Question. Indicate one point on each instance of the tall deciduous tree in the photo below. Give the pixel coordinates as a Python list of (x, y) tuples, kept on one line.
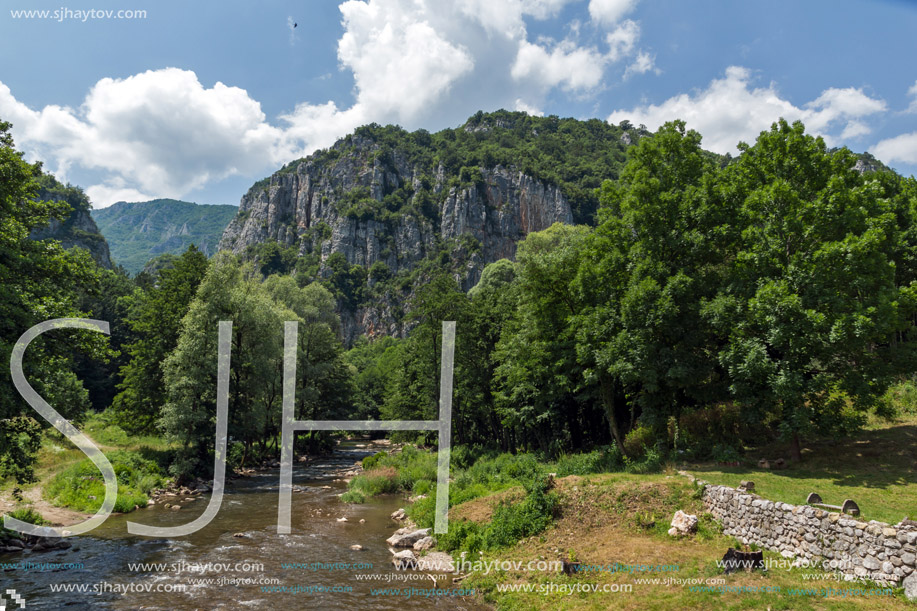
[(38, 281), (154, 317), (812, 304)]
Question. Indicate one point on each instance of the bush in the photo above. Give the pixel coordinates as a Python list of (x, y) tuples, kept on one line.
[(702, 429), (638, 441), (369, 462), (900, 399), (650, 462), (723, 452), (82, 487), (23, 514), (353, 496), (602, 460), (381, 480)]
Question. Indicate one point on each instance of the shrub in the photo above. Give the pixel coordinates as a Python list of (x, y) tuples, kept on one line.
[(702, 429), (82, 487), (650, 462), (23, 514), (380, 480), (353, 496), (900, 399), (638, 441)]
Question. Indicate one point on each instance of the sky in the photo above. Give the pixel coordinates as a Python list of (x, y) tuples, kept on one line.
[(197, 100)]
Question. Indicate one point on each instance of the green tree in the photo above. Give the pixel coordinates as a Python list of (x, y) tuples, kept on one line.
[(154, 318), (655, 259), (542, 391), (233, 292), (812, 304), (39, 281)]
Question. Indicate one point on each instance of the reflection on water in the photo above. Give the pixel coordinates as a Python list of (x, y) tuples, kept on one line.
[(198, 563)]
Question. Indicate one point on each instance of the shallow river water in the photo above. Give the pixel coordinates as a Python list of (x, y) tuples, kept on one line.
[(213, 569)]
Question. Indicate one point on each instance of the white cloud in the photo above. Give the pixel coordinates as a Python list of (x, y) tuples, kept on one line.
[(393, 50), (527, 108), (643, 63), (913, 93), (291, 26), (430, 63), (901, 148), (609, 12), (156, 132), (730, 110), (566, 65), (622, 39)]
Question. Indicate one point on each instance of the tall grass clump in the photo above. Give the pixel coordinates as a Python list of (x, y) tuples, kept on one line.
[(81, 486)]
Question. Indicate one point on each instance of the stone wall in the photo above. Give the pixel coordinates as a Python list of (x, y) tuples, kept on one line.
[(871, 550)]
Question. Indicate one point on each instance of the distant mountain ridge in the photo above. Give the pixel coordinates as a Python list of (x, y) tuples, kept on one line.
[(139, 231)]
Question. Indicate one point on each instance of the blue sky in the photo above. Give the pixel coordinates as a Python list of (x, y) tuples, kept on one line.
[(197, 100)]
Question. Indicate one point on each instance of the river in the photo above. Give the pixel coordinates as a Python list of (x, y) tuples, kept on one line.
[(243, 572)]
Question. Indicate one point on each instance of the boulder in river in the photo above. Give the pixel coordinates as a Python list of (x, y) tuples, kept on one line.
[(407, 538), (356, 548), (424, 544), (436, 562), (398, 515), (404, 560)]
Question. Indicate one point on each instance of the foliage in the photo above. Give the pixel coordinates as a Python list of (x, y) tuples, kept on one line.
[(154, 316), (39, 281), (81, 486), (258, 309)]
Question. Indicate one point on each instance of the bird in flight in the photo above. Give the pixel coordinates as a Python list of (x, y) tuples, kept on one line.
[(295, 24)]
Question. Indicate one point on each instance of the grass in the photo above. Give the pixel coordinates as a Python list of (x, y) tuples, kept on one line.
[(23, 514), (142, 460), (82, 488), (623, 518), (875, 468)]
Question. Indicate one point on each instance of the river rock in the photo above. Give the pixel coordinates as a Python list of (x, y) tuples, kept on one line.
[(424, 544), (407, 538), (175, 507), (683, 524), (47, 545), (404, 559), (356, 548), (438, 562), (342, 519), (398, 515)]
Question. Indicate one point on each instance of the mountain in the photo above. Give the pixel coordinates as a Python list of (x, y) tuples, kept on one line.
[(379, 211), (78, 229), (140, 231)]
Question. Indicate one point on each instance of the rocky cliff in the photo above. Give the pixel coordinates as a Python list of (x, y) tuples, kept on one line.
[(387, 201), (78, 229)]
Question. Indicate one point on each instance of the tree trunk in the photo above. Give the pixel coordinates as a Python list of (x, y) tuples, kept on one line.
[(795, 449), (607, 391)]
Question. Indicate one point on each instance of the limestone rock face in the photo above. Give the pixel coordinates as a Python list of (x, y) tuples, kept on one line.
[(79, 230), (375, 206)]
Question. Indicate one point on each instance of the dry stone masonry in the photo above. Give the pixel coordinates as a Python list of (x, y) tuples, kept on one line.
[(871, 550)]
